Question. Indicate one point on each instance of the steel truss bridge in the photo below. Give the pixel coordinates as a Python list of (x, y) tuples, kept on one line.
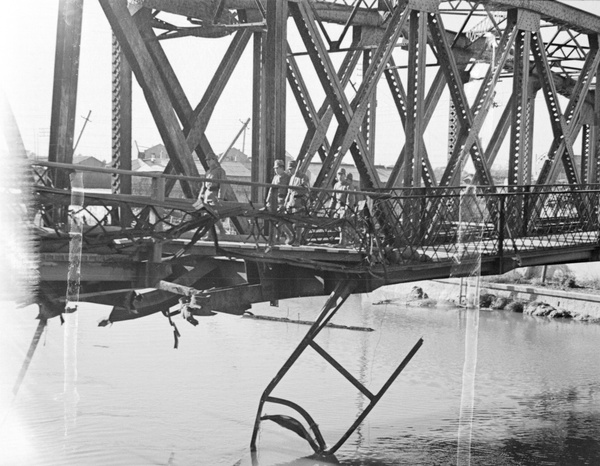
[(417, 224)]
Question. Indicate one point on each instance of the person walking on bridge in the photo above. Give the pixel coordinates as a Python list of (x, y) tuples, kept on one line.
[(343, 204), (211, 192), (276, 199), (297, 199)]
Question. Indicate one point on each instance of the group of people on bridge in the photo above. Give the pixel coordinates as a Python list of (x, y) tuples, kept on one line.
[(282, 200)]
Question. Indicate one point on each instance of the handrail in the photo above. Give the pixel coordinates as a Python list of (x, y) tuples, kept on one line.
[(158, 175), (518, 189)]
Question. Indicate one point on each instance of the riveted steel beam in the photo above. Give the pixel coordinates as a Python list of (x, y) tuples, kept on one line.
[(196, 127), (149, 78), (585, 153), (399, 96), (121, 122), (121, 126), (275, 81), (517, 161), (556, 12), (304, 18), (259, 168), (379, 61), (594, 175), (470, 121), (370, 119), (327, 11), (176, 94), (500, 132), (315, 139), (179, 101), (305, 103), (570, 124), (417, 53), (433, 97), (64, 92)]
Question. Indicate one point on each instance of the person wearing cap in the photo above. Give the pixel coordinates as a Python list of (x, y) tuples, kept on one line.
[(276, 195), (338, 202), (343, 202), (291, 168), (210, 194), (296, 198), (296, 201), (276, 199)]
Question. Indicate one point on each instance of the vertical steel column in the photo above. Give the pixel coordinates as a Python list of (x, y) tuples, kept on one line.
[(417, 48), (150, 80), (453, 123), (275, 81), (64, 92), (595, 136), (527, 136), (259, 169), (121, 124), (518, 135), (585, 152), (568, 124), (369, 123)]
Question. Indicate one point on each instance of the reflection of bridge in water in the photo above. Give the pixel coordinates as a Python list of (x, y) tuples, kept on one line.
[(408, 228)]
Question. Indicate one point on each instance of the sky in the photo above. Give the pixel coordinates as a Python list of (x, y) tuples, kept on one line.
[(28, 51)]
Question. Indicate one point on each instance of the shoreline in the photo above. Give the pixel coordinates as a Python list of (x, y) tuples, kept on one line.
[(580, 306)]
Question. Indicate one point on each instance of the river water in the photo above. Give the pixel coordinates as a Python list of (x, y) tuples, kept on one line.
[(138, 401)]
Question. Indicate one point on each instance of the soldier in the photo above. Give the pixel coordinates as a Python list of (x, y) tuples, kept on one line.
[(343, 203), (276, 199), (296, 198), (338, 202), (276, 195), (210, 194), (211, 189)]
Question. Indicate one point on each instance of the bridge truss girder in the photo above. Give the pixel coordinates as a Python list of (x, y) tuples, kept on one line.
[(418, 36), (561, 66)]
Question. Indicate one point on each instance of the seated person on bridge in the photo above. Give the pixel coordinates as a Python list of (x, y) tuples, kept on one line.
[(210, 194), (276, 198)]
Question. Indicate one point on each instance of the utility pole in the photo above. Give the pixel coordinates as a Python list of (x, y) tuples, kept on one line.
[(87, 118), (224, 154)]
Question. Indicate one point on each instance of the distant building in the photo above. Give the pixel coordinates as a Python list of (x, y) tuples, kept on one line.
[(235, 155), (237, 166), (93, 180), (157, 153)]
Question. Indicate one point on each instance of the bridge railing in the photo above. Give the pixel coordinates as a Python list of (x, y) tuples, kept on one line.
[(430, 224), (438, 223)]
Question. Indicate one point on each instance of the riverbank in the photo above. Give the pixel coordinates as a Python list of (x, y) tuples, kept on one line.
[(578, 303)]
